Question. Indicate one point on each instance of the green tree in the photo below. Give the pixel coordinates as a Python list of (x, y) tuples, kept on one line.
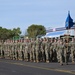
[(8, 33), (16, 32), (3, 33), (35, 30)]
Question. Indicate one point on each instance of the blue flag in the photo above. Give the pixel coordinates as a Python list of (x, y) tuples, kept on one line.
[(69, 21)]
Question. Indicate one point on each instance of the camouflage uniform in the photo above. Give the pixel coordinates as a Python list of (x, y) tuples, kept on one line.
[(0, 50), (33, 51), (20, 50), (22, 55), (43, 50), (58, 50), (66, 51), (9, 48), (61, 52), (51, 51), (17, 52), (14, 51), (72, 45), (17, 55), (11, 51), (29, 50), (26, 51), (23, 47), (54, 50), (45, 42), (37, 50), (3, 51)]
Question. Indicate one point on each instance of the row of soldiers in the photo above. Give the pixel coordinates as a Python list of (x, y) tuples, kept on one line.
[(39, 50)]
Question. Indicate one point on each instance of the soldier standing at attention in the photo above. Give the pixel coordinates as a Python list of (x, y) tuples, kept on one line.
[(29, 49), (66, 51), (58, 50), (3, 53), (54, 50), (33, 54), (72, 45), (22, 53), (14, 49), (20, 48), (0, 49), (26, 50), (61, 51), (11, 51), (17, 55), (44, 50), (47, 49), (37, 49), (51, 50), (3, 50)]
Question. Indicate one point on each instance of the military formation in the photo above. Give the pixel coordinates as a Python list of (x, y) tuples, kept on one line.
[(39, 50)]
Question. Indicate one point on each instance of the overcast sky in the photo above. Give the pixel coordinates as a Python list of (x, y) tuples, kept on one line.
[(23, 13)]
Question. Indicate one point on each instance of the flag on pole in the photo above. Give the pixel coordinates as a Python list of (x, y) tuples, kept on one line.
[(69, 21)]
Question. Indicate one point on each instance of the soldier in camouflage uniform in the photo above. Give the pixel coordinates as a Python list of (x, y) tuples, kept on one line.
[(22, 55), (3, 50), (66, 51), (6, 46), (47, 46), (58, 50), (17, 55), (61, 51), (37, 49), (51, 50), (72, 45), (11, 51), (33, 54), (0, 50), (14, 50), (29, 49), (43, 49), (47, 51), (26, 50), (55, 50), (20, 49), (40, 52)]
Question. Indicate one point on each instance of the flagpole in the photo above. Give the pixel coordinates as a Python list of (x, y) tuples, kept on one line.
[(69, 24), (67, 31)]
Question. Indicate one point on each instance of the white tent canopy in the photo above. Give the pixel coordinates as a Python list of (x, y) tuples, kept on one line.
[(59, 33)]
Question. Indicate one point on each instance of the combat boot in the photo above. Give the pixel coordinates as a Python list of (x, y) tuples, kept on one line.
[(72, 61), (37, 61), (34, 61), (61, 64), (47, 61)]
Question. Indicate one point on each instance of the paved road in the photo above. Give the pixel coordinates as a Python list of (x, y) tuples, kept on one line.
[(12, 67)]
